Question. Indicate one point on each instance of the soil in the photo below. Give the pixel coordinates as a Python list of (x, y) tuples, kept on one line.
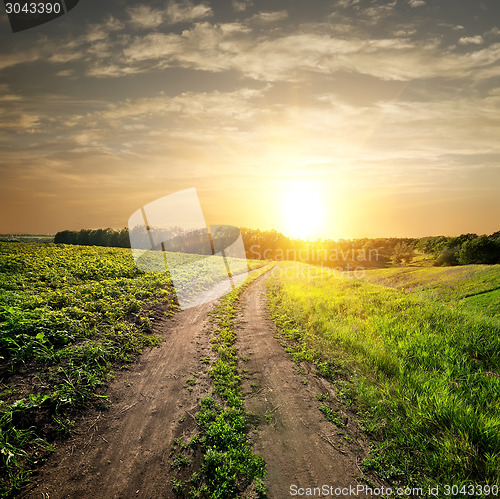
[(125, 452)]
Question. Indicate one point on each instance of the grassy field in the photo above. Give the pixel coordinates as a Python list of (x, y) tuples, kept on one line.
[(475, 287), (68, 316), (422, 368)]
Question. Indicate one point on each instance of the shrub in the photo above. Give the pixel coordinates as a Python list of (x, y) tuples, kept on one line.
[(448, 256)]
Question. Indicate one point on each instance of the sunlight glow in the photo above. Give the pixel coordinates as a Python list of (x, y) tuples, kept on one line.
[(303, 210)]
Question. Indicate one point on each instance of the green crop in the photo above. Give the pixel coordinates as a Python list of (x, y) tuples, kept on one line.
[(68, 314)]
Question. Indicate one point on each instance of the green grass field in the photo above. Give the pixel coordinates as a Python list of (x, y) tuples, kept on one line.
[(418, 351), (449, 284)]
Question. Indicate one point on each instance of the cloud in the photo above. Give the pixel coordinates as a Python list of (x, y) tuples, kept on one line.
[(106, 70), (6, 95), (471, 40), (101, 31), (269, 17), (494, 32), (416, 3), (143, 16), (187, 12), (377, 13), (293, 55), (146, 17), (347, 3), (289, 54), (241, 5), (26, 56)]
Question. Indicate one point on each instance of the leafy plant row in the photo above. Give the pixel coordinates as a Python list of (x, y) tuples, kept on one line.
[(68, 315)]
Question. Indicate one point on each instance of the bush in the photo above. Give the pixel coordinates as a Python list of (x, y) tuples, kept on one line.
[(448, 256)]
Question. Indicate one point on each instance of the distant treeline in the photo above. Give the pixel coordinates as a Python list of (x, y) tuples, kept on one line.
[(465, 249), (26, 238), (377, 252), (97, 237)]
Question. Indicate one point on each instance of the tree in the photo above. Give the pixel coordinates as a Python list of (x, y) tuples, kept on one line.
[(479, 250), (403, 252), (66, 237), (448, 256)]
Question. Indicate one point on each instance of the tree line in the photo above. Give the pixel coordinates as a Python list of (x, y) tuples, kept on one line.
[(465, 249), (94, 237), (365, 252)]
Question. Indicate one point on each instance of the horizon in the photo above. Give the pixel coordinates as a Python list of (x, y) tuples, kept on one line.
[(269, 230), (320, 120)]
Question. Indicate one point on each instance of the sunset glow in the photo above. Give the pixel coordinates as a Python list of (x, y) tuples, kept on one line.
[(390, 111), (303, 212)]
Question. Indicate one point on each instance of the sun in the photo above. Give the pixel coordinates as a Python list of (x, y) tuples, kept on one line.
[(303, 211)]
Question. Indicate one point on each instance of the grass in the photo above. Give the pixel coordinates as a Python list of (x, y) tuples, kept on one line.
[(228, 466), (476, 287), (330, 415), (424, 372)]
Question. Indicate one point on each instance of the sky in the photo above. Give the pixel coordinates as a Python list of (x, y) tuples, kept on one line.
[(332, 119)]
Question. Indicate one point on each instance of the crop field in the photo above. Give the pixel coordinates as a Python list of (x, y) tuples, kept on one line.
[(69, 315), (423, 372)]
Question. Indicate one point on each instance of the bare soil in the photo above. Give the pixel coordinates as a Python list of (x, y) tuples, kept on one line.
[(124, 452)]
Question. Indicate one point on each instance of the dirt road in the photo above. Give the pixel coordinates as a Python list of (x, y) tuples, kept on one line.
[(124, 452), (301, 447)]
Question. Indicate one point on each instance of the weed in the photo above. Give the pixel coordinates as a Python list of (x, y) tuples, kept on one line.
[(330, 415), (322, 396), (180, 461), (178, 486)]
